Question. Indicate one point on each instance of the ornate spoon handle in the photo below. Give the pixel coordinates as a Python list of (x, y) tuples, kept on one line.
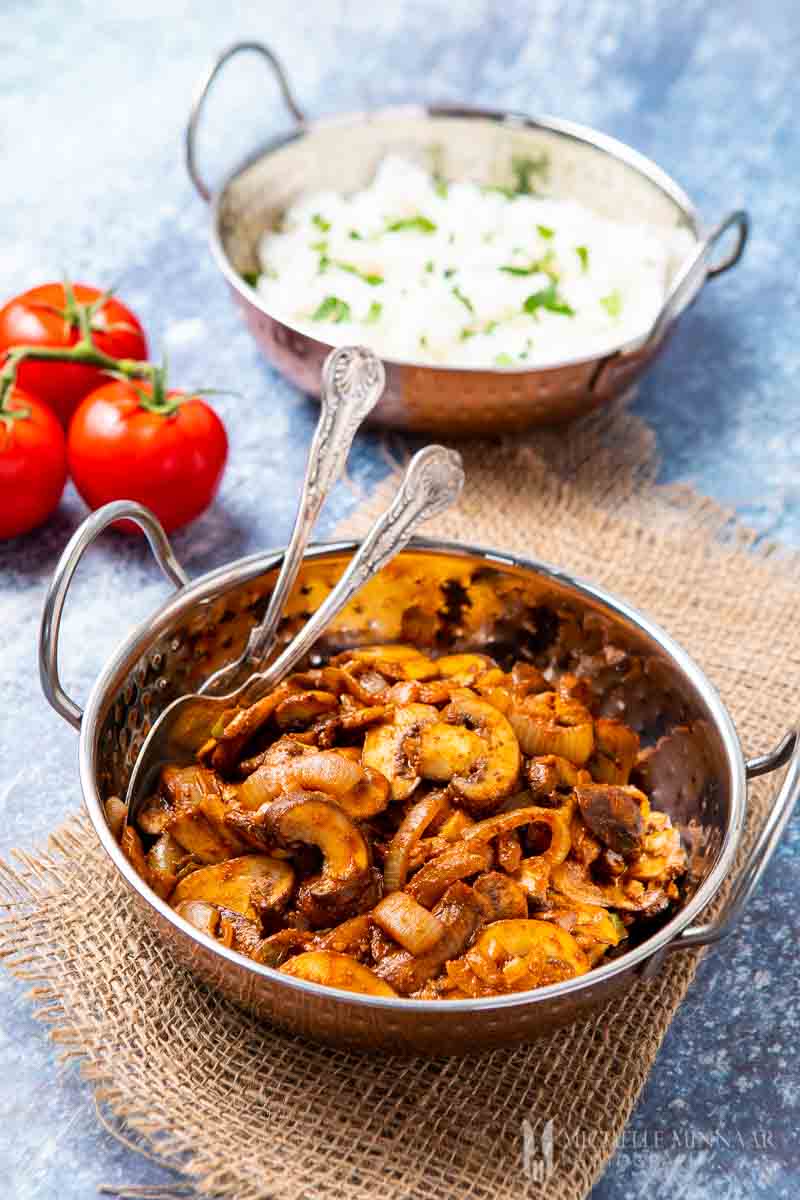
[(432, 482), (353, 380)]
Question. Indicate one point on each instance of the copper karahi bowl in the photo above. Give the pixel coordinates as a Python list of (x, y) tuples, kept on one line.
[(342, 152), (463, 597)]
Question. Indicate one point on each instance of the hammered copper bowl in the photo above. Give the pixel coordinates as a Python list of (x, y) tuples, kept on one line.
[(443, 596), (342, 153)]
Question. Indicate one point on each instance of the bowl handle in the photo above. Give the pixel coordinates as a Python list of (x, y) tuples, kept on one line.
[(695, 270), (786, 752), (80, 541), (202, 91)]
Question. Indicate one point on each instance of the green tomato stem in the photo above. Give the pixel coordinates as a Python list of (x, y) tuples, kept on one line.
[(83, 352)]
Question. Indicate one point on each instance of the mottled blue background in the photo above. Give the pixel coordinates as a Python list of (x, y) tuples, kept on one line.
[(93, 98)]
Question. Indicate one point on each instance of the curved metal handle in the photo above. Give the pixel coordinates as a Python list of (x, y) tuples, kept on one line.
[(432, 482), (80, 541), (201, 92), (787, 750), (696, 270)]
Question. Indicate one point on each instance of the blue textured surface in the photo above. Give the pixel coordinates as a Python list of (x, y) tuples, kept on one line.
[(92, 108)]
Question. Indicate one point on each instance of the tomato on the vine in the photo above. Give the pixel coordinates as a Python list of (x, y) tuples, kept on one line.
[(56, 315), (33, 463), (129, 441)]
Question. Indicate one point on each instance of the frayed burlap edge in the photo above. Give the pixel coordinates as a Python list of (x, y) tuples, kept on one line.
[(247, 1112)]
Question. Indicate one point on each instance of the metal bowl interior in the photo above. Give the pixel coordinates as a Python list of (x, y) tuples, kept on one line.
[(342, 153), (439, 596)]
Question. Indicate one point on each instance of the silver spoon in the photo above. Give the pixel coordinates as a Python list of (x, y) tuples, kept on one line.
[(353, 380), (433, 480)]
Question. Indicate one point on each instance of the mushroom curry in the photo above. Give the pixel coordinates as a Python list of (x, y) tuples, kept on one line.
[(398, 825)]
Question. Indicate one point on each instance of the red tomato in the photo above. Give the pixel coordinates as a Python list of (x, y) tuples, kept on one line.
[(48, 316), (33, 464), (118, 448)]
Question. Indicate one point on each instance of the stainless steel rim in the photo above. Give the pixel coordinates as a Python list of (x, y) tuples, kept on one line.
[(569, 129), (254, 565)]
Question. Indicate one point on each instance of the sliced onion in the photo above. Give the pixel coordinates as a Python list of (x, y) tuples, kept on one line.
[(484, 831), (416, 929), (415, 822), (570, 879)]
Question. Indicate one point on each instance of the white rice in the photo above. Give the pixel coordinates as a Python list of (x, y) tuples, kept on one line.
[(419, 271)]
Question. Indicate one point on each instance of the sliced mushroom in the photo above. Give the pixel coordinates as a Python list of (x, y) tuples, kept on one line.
[(361, 791), (464, 669), (235, 729), (278, 947), (236, 932), (515, 955), (393, 748), (346, 722), (448, 750), (460, 911), (198, 812), (351, 937), (594, 928), (662, 856), (240, 933), (320, 679), (503, 897), (200, 914), (434, 691), (614, 814), (550, 774), (571, 880), (394, 662), (492, 774), (527, 680), (312, 819), (334, 970), (231, 883), (494, 687), (546, 723), (299, 710), (203, 831), (615, 751)]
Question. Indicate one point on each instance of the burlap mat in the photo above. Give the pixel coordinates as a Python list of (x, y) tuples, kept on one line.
[(250, 1113)]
